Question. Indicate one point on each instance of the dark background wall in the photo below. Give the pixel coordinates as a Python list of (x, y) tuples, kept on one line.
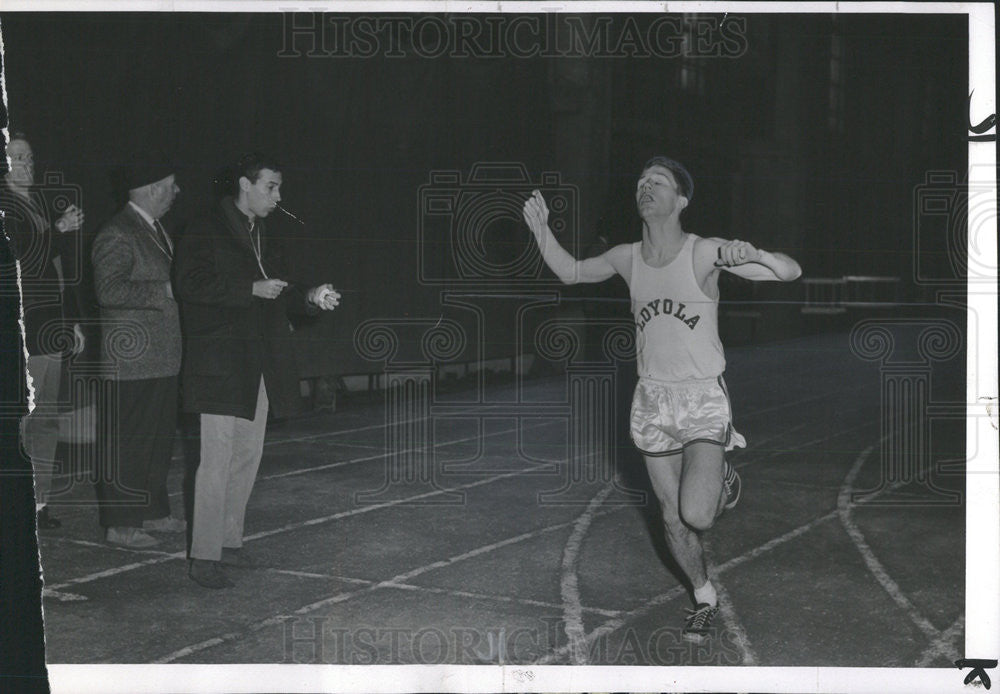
[(811, 139)]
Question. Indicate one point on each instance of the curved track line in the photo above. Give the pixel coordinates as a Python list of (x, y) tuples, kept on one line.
[(613, 625), (568, 585), (871, 561), (732, 622)]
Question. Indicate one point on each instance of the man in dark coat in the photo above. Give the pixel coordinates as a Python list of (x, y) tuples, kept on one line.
[(46, 248), (141, 350), (236, 299)]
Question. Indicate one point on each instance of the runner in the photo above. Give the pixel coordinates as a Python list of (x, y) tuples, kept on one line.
[(681, 418)]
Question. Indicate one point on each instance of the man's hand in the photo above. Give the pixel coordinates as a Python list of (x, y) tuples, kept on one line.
[(79, 341), (268, 289), (71, 220), (324, 296), (536, 213), (736, 252)]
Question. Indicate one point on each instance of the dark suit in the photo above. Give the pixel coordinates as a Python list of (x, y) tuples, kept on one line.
[(141, 350), (47, 300), (50, 304), (238, 362), (233, 338)]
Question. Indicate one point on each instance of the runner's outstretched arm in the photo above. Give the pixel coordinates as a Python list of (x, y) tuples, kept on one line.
[(565, 266)]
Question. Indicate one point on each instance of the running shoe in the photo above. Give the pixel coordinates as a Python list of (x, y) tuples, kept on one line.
[(698, 623), (733, 485)]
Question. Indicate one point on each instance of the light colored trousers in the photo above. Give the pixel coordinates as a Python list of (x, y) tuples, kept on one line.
[(231, 448), (40, 429)]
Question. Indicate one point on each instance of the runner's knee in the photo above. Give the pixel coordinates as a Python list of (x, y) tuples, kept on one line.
[(698, 516)]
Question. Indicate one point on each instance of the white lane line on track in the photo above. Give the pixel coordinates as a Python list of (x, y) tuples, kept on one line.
[(338, 432), (798, 447), (329, 466), (295, 526), (182, 555), (826, 395), (289, 527), (413, 420), (613, 625), (394, 582), (51, 592), (114, 571), (943, 646), (450, 592), (732, 622), (341, 432), (871, 561), (63, 597), (364, 459), (340, 444), (759, 443), (492, 597), (355, 430), (576, 647), (568, 586), (500, 598), (386, 454)]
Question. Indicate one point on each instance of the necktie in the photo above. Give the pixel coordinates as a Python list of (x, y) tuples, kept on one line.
[(163, 237), (257, 250)]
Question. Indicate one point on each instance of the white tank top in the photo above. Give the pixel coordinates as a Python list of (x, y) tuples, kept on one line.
[(676, 323)]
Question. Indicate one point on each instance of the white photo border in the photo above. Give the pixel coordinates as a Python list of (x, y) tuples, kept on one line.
[(982, 627)]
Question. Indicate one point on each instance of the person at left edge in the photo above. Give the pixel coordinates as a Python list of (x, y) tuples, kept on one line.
[(141, 349), (46, 248)]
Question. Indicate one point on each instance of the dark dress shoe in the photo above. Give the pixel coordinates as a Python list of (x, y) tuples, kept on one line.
[(208, 574), (46, 521)]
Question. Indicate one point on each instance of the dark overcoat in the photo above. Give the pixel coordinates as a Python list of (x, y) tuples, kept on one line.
[(47, 298), (231, 337)]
